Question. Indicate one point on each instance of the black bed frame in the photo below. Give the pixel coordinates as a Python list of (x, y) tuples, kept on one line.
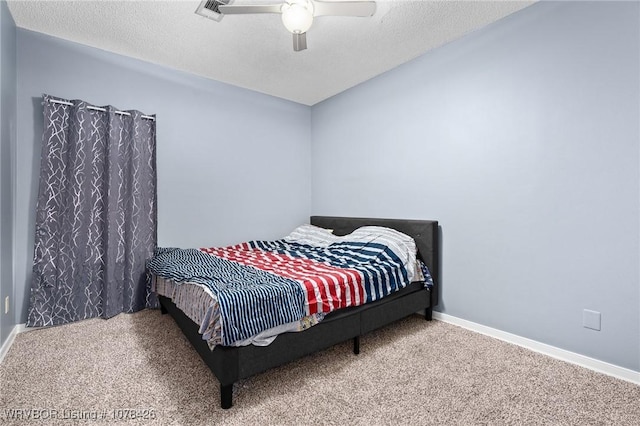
[(230, 364)]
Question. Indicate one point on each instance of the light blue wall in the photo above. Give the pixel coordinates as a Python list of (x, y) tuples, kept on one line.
[(522, 140), (7, 175), (233, 164)]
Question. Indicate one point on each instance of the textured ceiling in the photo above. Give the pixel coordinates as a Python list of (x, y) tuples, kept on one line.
[(255, 51)]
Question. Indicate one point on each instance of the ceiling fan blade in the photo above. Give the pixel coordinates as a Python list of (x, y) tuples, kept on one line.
[(299, 41), (231, 9), (343, 8)]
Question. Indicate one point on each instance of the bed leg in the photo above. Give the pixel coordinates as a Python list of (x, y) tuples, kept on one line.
[(163, 310), (428, 314), (226, 396), (356, 345)]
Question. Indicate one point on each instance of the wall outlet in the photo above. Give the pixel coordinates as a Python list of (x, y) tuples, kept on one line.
[(591, 319), (6, 305)]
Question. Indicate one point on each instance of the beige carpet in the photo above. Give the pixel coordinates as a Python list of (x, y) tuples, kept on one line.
[(412, 372)]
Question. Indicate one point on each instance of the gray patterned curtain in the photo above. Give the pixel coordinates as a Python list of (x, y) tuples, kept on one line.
[(96, 214)]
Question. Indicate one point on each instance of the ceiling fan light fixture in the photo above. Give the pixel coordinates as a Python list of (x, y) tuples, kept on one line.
[(297, 15)]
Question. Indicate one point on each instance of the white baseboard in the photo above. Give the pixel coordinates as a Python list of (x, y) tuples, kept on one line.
[(552, 351), (19, 328)]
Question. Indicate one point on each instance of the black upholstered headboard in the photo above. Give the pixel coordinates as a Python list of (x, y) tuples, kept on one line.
[(424, 232)]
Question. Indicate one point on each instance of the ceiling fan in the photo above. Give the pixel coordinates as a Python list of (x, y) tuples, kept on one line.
[(297, 15)]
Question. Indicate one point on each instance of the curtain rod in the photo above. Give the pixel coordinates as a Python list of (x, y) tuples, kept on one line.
[(56, 101)]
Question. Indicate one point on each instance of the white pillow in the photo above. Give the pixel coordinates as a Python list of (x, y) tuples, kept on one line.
[(312, 235), (401, 244)]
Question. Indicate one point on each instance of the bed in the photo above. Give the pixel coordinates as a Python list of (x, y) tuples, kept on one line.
[(232, 363)]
